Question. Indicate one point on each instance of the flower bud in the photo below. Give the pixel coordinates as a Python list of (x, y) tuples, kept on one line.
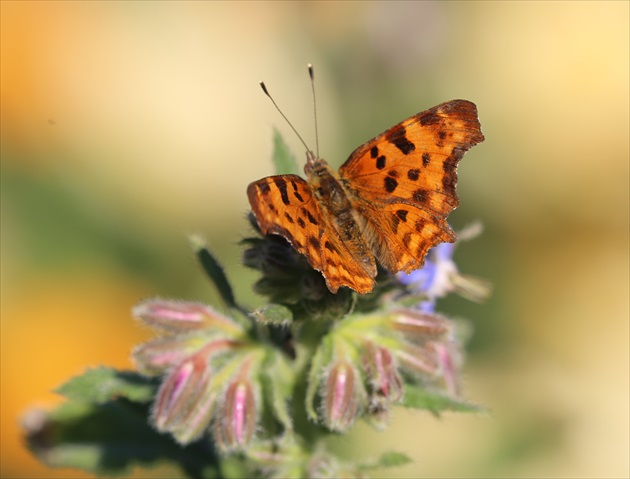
[(181, 390), (385, 383), (185, 400), (382, 373), (419, 326), (236, 424), (418, 360), (160, 355), (437, 361), (448, 359), (342, 396), (181, 316)]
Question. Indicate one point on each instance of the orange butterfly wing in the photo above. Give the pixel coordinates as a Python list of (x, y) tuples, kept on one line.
[(284, 205), (403, 182)]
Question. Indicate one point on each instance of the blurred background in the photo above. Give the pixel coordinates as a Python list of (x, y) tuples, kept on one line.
[(127, 126)]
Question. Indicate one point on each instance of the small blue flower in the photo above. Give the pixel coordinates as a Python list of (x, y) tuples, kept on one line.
[(440, 275), (433, 279), (427, 306)]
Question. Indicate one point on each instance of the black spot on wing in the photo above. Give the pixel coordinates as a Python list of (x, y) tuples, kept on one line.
[(374, 152), (413, 174), (426, 159), (264, 187), (301, 222), (281, 184), (380, 162), (421, 196), (288, 217), (402, 214), (311, 218), (296, 193), (314, 242), (399, 140), (390, 184), (429, 118)]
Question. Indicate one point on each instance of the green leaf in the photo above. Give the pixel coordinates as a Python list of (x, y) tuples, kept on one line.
[(283, 160), (387, 459), (214, 271), (101, 384), (109, 439), (419, 398), (273, 313)]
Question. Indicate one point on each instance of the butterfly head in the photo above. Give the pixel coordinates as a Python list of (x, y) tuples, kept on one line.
[(316, 167)]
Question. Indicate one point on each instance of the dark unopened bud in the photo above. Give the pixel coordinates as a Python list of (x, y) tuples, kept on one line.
[(342, 397), (274, 257), (236, 424)]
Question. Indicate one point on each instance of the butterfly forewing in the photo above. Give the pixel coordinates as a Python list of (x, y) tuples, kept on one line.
[(410, 167)]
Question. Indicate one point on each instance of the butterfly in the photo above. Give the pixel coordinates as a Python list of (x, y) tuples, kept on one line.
[(388, 202)]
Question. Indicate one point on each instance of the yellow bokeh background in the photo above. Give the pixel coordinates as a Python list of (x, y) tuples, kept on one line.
[(127, 126)]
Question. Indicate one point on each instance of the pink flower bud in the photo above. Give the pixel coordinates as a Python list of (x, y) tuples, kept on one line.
[(237, 423), (436, 361), (385, 383), (419, 326), (341, 397), (180, 316), (179, 391), (418, 360), (382, 373), (447, 360), (160, 355)]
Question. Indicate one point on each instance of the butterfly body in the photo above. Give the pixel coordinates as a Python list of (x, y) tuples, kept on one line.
[(334, 204), (389, 201)]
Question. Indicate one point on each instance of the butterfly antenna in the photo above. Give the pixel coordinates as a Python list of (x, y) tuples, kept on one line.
[(311, 74), (264, 88)]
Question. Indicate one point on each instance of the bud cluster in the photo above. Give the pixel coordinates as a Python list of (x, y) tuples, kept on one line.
[(209, 365), (365, 362), (338, 356)]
